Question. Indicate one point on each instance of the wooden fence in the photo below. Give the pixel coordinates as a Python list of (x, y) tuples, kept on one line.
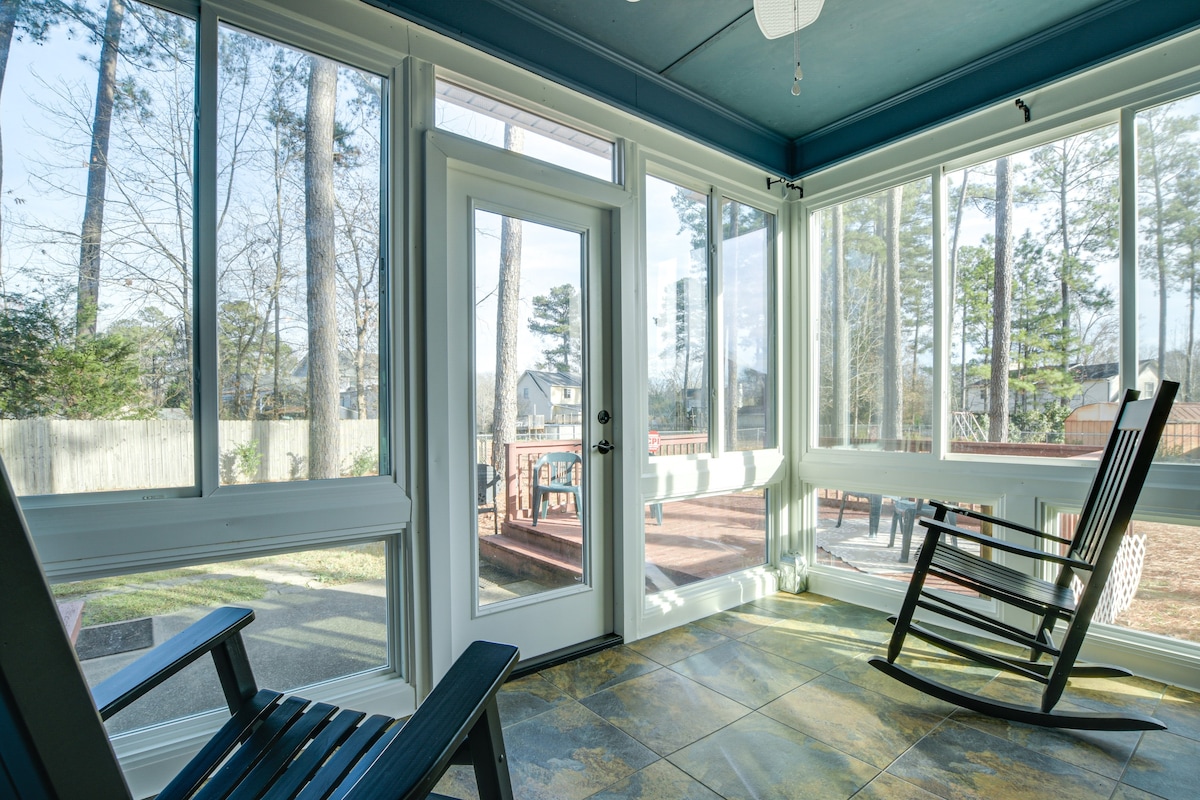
[(56, 456)]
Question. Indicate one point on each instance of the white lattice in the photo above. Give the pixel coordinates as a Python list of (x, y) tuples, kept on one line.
[(1122, 581)]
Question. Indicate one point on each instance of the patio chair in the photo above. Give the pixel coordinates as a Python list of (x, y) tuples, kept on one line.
[(1088, 556), (53, 743), (904, 514), (874, 509), (560, 480), (486, 479)]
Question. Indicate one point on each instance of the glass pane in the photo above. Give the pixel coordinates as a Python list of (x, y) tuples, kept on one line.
[(300, 289), (876, 336), (1153, 585), (1168, 143), (319, 615), (485, 119), (704, 537), (1033, 248), (878, 534), (746, 297), (529, 401), (95, 319), (677, 317)]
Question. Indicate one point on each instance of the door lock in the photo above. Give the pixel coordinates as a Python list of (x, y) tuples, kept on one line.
[(603, 417), (604, 446)]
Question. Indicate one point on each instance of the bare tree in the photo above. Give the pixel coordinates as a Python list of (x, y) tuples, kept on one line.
[(504, 411), (893, 378), (87, 301), (841, 330), (323, 373), (1002, 313)]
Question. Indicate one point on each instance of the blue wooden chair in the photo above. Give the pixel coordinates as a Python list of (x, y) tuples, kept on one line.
[(53, 743)]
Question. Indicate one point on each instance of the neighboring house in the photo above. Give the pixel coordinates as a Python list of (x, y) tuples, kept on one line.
[(347, 393), (556, 397), (1096, 383)]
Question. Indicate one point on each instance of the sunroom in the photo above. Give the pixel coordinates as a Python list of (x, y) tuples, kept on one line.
[(409, 325)]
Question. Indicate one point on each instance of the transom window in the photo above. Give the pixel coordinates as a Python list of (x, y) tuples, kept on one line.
[(469, 113)]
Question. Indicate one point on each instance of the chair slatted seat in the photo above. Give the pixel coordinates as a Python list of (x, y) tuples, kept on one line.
[(273, 747), (1088, 560)]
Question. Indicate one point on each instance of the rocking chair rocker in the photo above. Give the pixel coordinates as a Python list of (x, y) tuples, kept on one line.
[(1089, 555), (53, 743)]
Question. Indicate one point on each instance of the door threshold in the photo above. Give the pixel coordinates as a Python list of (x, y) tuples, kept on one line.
[(565, 654)]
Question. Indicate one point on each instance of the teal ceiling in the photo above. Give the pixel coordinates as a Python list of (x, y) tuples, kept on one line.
[(873, 71)]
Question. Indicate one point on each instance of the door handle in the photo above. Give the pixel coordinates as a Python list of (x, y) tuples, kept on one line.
[(604, 446)]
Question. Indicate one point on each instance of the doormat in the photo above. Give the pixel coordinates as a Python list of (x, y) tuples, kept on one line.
[(98, 641)]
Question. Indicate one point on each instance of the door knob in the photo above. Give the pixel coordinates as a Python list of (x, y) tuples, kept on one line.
[(604, 446)]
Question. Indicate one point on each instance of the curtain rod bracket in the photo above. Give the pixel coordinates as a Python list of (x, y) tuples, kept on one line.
[(795, 187), (1021, 105)]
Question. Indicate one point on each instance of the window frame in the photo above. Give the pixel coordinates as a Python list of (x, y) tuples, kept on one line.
[(107, 533), (1020, 489)]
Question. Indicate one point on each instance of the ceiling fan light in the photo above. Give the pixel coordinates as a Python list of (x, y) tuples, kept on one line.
[(780, 17)]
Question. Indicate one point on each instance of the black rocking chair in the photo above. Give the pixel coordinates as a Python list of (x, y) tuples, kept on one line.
[(53, 743), (1088, 556)]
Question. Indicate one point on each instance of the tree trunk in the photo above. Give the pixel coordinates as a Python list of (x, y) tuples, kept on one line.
[(323, 456), (8, 21), (893, 381), (1064, 278), (958, 213), (840, 332), (1160, 257), (1002, 306), (88, 298), (508, 296), (1191, 340)]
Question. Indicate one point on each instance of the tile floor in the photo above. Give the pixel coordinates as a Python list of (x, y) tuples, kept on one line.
[(775, 700)]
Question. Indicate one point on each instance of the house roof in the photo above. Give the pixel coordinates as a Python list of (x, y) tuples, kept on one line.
[(545, 380), (1110, 369)]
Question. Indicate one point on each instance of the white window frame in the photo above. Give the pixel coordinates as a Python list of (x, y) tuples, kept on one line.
[(1023, 490), (112, 533), (717, 471)]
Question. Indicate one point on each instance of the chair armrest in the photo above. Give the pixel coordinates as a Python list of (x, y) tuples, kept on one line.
[(1012, 526), (410, 763), (1000, 544), (168, 658)]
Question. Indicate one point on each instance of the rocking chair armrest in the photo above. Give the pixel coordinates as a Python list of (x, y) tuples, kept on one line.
[(1000, 544), (461, 705), (982, 517), (168, 658)]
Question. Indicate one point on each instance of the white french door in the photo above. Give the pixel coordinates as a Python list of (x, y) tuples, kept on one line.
[(527, 509)]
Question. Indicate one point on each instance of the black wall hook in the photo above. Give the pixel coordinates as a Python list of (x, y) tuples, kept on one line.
[(1021, 105)]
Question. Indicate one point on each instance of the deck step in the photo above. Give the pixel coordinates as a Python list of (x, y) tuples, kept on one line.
[(520, 556), (564, 542)]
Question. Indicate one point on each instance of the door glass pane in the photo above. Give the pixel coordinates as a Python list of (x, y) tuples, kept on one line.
[(746, 238), (1033, 250), (95, 315), (300, 289), (1168, 145), (698, 538), (677, 318), (876, 335), (319, 615), (529, 407)]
